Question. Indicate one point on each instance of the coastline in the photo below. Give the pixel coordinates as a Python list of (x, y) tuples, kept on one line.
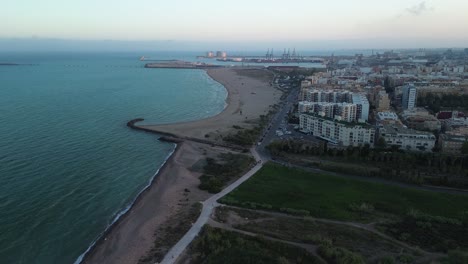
[(127, 210), (131, 235), (247, 98)]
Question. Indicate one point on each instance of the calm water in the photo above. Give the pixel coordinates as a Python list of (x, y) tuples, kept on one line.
[(68, 163)]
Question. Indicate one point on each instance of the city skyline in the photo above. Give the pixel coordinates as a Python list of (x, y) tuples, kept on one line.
[(335, 23)]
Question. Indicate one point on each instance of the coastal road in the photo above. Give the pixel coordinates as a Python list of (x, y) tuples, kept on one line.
[(279, 120), (207, 210)]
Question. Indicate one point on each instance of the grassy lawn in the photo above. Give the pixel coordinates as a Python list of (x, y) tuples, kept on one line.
[(339, 198)]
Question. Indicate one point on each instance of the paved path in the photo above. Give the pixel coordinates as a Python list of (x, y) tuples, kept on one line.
[(207, 210)]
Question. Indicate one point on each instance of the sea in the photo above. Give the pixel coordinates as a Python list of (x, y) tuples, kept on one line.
[(69, 166)]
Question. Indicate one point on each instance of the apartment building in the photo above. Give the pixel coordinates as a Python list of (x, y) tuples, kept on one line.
[(337, 132)]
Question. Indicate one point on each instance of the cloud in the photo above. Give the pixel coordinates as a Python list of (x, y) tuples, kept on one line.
[(418, 9)]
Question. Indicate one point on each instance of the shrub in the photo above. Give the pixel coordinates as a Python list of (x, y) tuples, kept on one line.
[(387, 260), (339, 255)]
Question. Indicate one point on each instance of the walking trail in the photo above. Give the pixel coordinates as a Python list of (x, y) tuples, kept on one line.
[(207, 210)]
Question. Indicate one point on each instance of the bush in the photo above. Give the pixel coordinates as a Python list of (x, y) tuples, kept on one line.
[(339, 255), (217, 174), (387, 260), (457, 257), (295, 211), (362, 208)]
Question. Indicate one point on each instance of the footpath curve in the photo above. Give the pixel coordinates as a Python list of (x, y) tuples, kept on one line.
[(208, 206)]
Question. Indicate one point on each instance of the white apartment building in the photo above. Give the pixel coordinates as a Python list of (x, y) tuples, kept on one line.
[(336, 132), (409, 97), (340, 111), (362, 103), (407, 139), (341, 100), (387, 116)]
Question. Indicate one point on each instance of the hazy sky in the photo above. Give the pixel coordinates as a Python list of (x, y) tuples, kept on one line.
[(365, 22)]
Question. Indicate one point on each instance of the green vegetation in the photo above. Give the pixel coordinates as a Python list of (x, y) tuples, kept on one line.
[(171, 232), (433, 233), (217, 174), (219, 246), (457, 257), (247, 137), (412, 167), (361, 242), (244, 137), (339, 255), (436, 103), (340, 198)]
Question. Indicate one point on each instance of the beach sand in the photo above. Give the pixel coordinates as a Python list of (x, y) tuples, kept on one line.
[(249, 96), (133, 236)]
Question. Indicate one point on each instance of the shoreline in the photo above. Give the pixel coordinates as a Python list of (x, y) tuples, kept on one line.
[(127, 210), (132, 234), (227, 102), (247, 98)]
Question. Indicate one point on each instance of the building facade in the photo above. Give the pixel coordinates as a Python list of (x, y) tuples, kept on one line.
[(334, 102), (409, 97), (407, 139), (340, 133)]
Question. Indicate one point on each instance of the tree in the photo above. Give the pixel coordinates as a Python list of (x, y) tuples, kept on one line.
[(381, 143), (464, 148)]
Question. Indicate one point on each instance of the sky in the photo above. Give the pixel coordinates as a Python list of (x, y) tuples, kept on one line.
[(247, 24)]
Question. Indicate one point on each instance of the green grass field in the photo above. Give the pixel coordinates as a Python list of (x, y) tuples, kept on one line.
[(334, 197)]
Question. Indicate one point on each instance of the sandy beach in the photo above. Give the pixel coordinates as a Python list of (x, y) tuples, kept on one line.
[(175, 188), (133, 235), (249, 96)]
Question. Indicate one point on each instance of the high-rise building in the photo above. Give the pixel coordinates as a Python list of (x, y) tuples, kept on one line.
[(362, 112), (409, 97)]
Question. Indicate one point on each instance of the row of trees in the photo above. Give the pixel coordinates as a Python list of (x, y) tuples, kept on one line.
[(417, 167), (435, 103)]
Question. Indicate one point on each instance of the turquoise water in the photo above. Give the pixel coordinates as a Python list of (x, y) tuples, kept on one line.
[(68, 163)]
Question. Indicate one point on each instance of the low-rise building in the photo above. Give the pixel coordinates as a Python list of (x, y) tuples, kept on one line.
[(423, 123), (420, 119), (452, 143), (407, 139), (384, 116), (337, 132)]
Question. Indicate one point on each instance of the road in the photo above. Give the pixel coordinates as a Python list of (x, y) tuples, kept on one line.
[(207, 210), (278, 120)]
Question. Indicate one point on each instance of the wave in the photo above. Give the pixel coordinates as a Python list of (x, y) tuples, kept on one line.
[(125, 209)]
